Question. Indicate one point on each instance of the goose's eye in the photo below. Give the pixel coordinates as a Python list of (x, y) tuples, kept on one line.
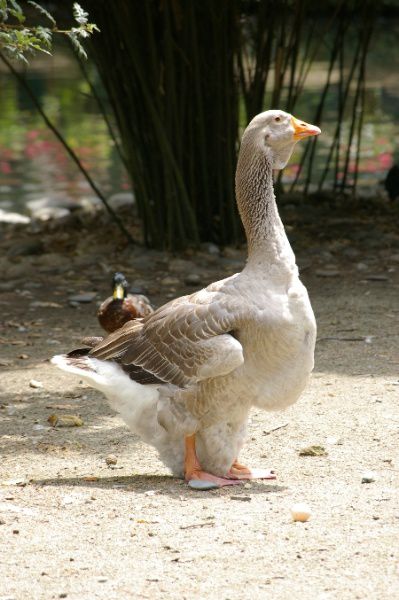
[(277, 119)]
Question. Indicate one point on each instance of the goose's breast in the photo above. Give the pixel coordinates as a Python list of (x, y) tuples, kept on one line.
[(279, 351)]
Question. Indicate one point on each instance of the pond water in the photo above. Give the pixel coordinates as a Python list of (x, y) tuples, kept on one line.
[(33, 164)]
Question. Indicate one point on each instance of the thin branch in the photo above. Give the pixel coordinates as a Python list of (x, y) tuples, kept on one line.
[(358, 92), (359, 134), (21, 80), (101, 106)]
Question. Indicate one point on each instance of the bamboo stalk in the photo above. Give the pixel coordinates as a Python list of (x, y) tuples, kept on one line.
[(342, 101), (365, 41), (319, 112)]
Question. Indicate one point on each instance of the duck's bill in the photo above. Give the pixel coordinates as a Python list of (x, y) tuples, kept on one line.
[(303, 130), (119, 292)]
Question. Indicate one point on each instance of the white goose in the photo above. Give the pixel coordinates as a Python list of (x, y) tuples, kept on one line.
[(185, 377)]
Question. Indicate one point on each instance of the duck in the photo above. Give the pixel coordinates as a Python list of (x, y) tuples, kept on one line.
[(121, 307), (185, 377)]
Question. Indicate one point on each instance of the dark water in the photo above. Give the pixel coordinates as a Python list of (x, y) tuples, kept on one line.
[(33, 164)]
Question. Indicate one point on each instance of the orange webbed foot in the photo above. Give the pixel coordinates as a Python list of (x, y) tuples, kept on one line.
[(198, 479), (241, 472)]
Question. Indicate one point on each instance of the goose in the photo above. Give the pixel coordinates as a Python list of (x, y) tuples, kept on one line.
[(121, 307), (186, 376)]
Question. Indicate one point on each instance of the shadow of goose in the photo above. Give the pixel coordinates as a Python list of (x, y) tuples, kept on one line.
[(157, 485)]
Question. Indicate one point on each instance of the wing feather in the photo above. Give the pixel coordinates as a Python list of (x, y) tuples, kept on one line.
[(181, 340)]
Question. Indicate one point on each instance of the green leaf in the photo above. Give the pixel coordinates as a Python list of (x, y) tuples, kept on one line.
[(91, 27), (20, 56), (43, 11), (45, 36), (82, 32), (5, 38), (40, 48), (15, 53), (3, 10), (76, 44), (79, 14), (17, 14), (15, 5)]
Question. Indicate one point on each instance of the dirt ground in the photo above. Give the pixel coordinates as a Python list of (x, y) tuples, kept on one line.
[(72, 526)]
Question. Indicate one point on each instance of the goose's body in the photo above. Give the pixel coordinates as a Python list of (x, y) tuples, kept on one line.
[(199, 363)]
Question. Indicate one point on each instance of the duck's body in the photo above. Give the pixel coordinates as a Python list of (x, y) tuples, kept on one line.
[(122, 307), (205, 359)]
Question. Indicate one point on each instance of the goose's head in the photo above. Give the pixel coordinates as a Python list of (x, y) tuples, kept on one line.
[(275, 133)]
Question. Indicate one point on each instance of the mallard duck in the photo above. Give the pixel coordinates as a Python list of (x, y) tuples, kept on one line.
[(186, 376), (121, 307)]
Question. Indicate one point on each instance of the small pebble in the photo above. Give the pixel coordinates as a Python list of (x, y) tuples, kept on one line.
[(170, 281), (210, 248), (35, 384), (369, 477), (377, 278), (361, 266), (192, 279), (241, 498), (65, 421), (327, 273), (332, 440), (39, 427), (111, 459), (300, 512), (199, 484), (83, 298)]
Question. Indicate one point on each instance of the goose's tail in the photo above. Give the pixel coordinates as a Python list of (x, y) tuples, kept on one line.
[(131, 399), (149, 409)]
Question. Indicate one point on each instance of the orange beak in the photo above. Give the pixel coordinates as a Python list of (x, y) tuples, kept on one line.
[(303, 130)]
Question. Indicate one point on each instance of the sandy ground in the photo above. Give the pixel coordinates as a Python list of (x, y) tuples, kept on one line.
[(73, 527)]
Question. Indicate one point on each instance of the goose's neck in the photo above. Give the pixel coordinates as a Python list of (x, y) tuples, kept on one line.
[(268, 245)]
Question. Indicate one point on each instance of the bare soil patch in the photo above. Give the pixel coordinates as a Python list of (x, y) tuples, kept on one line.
[(73, 526)]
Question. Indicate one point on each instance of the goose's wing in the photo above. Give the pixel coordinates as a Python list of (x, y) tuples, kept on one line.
[(186, 340)]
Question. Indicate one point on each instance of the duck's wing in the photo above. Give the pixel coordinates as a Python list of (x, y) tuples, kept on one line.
[(184, 341)]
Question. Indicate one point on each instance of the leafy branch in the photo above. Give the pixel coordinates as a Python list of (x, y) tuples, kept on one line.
[(19, 40)]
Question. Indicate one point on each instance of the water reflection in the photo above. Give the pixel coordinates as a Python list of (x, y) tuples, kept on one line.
[(33, 164)]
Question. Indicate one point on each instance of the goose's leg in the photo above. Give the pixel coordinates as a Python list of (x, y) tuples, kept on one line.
[(239, 471), (195, 476)]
